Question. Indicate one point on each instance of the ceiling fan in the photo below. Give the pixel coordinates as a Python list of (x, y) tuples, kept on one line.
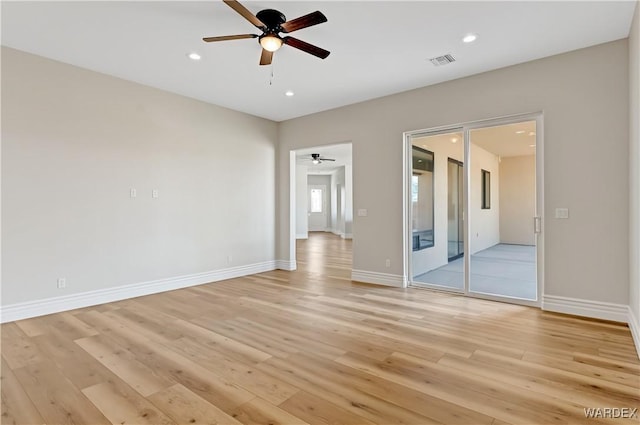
[(316, 159), (272, 22)]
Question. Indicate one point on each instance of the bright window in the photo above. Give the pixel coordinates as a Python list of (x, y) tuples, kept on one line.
[(316, 200), (414, 189)]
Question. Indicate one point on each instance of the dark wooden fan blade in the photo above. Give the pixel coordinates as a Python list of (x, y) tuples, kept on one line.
[(266, 57), (305, 21), (306, 47), (326, 159), (246, 14), (229, 37)]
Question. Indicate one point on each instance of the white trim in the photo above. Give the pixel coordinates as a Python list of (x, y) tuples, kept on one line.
[(587, 308), (634, 326), (342, 234), (289, 265), (386, 279), (302, 236), (25, 310)]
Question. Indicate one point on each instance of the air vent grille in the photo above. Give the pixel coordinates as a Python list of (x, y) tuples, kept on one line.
[(442, 60)]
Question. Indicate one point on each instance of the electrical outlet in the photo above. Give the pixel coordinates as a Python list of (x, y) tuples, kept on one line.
[(229, 259), (62, 283), (133, 193), (387, 263), (154, 193)]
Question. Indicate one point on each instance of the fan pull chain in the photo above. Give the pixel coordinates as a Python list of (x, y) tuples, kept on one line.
[(271, 80)]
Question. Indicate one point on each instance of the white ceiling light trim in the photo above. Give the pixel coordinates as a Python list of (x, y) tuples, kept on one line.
[(470, 38)]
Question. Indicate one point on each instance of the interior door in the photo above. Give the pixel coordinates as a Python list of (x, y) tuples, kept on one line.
[(317, 209)]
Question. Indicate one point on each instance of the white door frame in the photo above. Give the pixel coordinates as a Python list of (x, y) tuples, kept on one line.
[(466, 128)]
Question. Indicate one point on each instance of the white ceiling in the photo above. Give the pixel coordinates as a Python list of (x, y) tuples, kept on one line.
[(507, 140), (377, 47)]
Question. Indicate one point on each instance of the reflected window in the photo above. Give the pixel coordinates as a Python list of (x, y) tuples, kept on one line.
[(486, 190), (422, 198)]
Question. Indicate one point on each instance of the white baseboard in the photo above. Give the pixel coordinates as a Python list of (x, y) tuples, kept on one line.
[(634, 326), (587, 308), (25, 310), (386, 279), (342, 234), (288, 265), (302, 236)]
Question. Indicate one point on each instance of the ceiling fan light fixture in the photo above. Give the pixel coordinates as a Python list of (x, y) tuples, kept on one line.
[(270, 42), (315, 162)]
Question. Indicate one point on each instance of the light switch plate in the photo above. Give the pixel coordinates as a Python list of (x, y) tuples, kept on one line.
[(362, 212), (562, 213)]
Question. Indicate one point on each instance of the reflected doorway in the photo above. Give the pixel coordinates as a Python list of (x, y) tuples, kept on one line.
[(455, 215)]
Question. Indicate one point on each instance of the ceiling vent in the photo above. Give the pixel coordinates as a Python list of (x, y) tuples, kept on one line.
[(442, 60)]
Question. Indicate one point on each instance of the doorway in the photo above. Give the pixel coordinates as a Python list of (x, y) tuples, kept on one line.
[(321, 203), (486, 237)]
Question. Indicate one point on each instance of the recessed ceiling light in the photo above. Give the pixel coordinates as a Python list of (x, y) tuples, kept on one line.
[(194, 56), (454, 139), (532, 133), (469, 38), (520, 132), (289, 93), (532, 146)]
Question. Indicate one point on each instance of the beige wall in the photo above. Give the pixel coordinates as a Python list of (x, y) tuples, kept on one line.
[(517, 199), (584, 97), (73, 144), (634, 174)]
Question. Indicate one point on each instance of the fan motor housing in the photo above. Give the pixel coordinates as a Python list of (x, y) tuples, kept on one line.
[(271, 18)]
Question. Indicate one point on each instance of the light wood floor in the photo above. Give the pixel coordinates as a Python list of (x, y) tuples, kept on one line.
[(312, 347)]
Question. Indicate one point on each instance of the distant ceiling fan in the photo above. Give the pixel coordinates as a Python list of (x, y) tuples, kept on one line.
[(316, 159), (271, 22)]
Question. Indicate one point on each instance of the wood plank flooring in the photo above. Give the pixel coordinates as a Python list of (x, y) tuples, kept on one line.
[(312, 347)]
